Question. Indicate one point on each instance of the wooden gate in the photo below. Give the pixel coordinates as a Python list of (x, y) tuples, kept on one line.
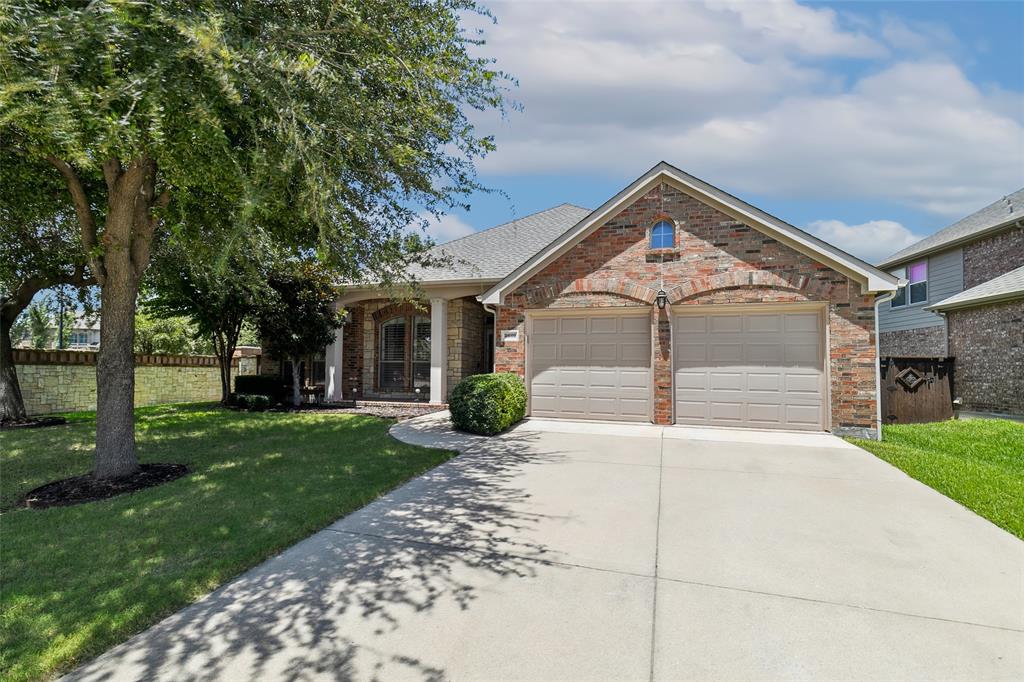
[(916, 390)]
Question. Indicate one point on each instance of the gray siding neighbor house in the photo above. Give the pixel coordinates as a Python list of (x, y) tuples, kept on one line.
[(965, 299)]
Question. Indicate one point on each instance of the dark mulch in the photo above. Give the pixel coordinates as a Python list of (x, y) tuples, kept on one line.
[(10, 425), (81, 489)]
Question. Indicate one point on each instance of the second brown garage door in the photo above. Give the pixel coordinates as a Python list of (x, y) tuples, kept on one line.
[(590, 366), (751, 369)]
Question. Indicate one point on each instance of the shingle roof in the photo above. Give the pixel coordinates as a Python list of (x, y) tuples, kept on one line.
[(492, 254), (1006, 286), (1001, 212)]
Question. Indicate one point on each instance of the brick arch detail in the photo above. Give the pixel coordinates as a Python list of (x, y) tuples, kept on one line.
[(398, 310), (813, 288), (616, 287)]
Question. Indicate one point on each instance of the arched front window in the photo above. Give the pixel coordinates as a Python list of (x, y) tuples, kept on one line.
[(663, 235)]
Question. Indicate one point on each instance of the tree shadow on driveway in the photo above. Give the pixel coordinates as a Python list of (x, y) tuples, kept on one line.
[(360, 600)]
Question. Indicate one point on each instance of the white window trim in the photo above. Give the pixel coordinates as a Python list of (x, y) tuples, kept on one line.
[(904, 274), (675, 234)]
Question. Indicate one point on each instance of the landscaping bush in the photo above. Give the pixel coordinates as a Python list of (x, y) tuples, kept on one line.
[(488, 403), (251, 401), (258, 384)]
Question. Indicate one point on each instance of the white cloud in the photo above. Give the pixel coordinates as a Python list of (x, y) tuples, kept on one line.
[(871, 241), (447, 228), (741, 94)]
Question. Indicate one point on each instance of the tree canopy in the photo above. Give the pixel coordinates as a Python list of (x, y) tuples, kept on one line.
[(331, 124)]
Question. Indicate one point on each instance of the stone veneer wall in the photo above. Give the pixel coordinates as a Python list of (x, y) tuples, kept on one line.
[(924, 342), (988, 258), (988, 344), (715, 260), (65, 381)]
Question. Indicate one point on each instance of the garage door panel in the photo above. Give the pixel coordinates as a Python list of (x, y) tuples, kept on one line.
[(766, 414), (691, 324), (802, 322), (762, 323), (604, 325), (808, 384), (636, 325), (763, 382), (726, 381), (764, 352), (723, 411), (726, 352), (754, 369), (603, 352), (726, 323), (803, 414), (803, 354), (545, 326), (600, 368)]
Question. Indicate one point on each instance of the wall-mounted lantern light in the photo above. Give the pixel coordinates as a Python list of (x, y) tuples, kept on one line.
[(661, 299)]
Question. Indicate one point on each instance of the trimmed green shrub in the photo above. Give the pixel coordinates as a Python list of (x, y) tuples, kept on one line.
[(258, 384), (251, 401), (488, 403)]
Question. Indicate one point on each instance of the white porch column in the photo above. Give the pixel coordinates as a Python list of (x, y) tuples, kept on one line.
[(334, 390), (438, 350)]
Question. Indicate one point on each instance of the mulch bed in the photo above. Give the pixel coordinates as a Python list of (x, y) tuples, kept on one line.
[(81, 489), (32, 423)]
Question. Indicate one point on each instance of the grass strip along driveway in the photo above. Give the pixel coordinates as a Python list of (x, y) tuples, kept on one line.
[(977, 462), (77, 580)]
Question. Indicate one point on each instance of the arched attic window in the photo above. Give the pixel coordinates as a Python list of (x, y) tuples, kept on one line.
[(663, 235)]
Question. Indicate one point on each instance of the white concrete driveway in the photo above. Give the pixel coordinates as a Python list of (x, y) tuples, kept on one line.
[(599, 552)]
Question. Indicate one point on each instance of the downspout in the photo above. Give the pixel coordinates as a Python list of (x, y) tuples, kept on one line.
[(884, 298)]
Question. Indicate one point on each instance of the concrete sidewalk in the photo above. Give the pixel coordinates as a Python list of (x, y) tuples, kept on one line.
[(582, 551)]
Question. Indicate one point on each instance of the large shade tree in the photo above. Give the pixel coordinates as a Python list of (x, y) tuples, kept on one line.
[(349, 114), (39, 249)]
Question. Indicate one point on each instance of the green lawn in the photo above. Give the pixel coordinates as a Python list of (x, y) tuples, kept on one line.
[(77, 580), (977, 462)]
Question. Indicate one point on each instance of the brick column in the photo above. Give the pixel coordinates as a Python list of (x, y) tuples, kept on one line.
[(661, 333), (438, 350)]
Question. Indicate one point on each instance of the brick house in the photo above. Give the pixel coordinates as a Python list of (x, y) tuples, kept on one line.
[(965, 299), (673, 302)]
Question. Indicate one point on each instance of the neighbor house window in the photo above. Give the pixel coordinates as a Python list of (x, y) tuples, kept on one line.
[(916, 290), (663, 235)]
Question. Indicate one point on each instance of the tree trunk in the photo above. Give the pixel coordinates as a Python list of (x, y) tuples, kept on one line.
[(296, 386), (12, 405), (224, 349), (115, 372)]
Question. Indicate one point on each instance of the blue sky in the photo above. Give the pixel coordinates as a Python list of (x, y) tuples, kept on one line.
[(871, 124)]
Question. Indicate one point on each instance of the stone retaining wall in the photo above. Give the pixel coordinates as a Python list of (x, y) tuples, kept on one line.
[(65, 381)]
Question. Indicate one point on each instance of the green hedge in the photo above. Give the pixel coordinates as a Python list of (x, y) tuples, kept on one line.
[(259, 384), (249, 401), (488, 403)]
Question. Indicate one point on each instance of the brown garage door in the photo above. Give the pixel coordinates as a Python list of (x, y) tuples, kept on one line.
[(590, 366), (751, 369)]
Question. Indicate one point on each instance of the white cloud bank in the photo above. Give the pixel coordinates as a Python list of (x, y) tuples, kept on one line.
[(746, 95), (447, 228), (871, 241)]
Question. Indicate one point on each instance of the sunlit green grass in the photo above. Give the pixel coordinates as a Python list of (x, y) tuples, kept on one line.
[(977, 462), (77, 580)]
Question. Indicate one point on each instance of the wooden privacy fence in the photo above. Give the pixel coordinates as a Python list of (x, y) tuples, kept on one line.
[(916, 390)]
